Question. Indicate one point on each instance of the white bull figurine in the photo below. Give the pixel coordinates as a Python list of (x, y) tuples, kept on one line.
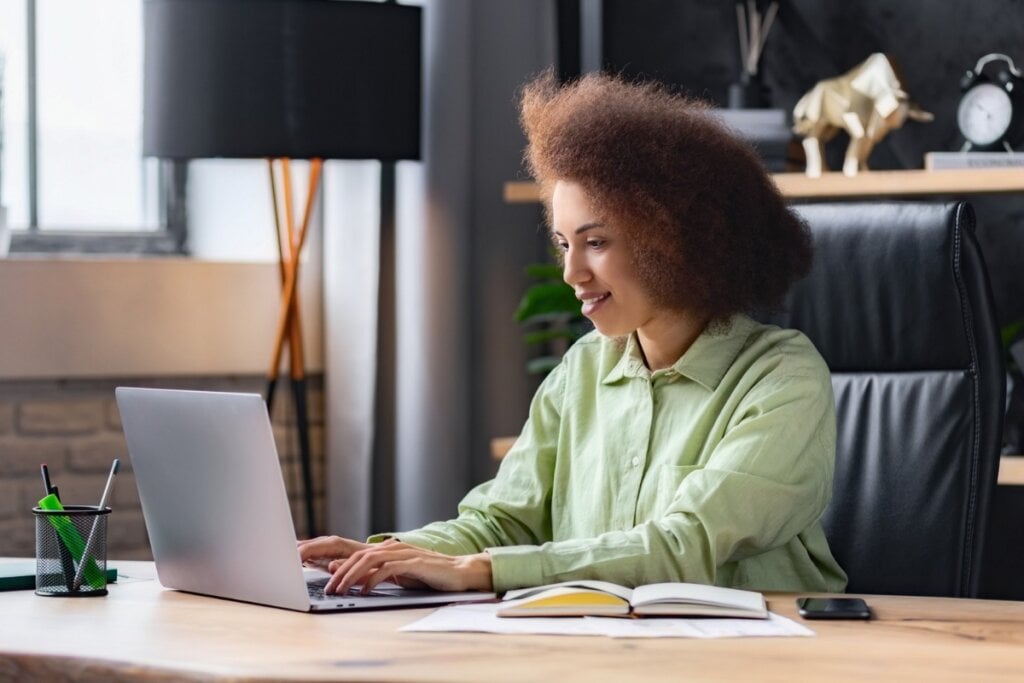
[(867, 102)]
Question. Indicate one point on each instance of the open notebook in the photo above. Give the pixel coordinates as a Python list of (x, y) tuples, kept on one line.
[(601, 598)]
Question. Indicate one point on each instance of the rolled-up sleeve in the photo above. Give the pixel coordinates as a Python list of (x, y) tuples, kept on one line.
[(514, 508)]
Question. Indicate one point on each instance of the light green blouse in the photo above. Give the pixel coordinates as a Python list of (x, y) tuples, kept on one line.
[(715, 470)]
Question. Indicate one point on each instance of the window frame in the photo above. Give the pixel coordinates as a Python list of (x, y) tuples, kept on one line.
[(169, 238)]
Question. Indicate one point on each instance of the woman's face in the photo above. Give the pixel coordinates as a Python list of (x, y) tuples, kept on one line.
[(598, 264)]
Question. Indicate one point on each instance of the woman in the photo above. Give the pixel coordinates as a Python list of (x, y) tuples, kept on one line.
[(679, 441)]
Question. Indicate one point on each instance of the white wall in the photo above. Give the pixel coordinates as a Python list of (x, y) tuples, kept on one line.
[(118, 318)]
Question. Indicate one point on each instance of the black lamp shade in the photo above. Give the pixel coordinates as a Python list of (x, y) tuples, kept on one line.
[(281, 78)]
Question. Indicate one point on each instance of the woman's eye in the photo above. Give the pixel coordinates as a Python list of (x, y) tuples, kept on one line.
[(595, 244), (562, 246)]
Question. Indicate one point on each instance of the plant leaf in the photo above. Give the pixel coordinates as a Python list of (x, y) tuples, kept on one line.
[(556, 319), (548, 297), (544, 271), (542, 364), (1009, 333), (541, 336)]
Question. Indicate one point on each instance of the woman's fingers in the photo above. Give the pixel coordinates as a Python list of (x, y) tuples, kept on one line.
[(392, 569), (353, 569), (405, 565), (345, 560), (318, 548), (321, 563), (352, 563), (326, 548)]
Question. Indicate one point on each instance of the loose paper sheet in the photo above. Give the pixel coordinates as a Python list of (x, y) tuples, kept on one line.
[(483, 618)]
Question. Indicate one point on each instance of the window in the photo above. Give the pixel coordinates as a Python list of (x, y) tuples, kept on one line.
[(72, 175)]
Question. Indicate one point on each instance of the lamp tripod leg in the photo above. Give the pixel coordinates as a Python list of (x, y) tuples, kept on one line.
[(271, 386), (305, 453), (282, 269), (289, 248)]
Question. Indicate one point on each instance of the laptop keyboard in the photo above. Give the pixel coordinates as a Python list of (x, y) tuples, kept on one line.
[(316, 591), (315, 587)]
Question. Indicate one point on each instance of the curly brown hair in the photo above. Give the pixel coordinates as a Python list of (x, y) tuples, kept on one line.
[(709, 230)]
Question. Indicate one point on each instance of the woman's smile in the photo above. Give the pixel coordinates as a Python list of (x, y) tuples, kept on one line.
[(592, 301)]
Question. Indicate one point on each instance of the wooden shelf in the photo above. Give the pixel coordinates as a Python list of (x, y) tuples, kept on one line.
[(914, 183), (521, 192), (902, 183)]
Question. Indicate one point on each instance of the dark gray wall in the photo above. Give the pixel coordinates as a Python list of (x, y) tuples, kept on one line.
[(512, 42), (693, 44)]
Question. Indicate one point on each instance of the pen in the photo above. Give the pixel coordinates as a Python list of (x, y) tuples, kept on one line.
[(47, 486), (95, 523)]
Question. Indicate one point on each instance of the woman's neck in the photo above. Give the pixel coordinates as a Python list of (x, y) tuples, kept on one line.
[(665, 339)]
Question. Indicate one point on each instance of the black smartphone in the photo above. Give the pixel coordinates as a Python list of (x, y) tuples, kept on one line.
[(833, 608)]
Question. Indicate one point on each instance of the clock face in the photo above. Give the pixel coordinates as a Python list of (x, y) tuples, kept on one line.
[(984, 114)]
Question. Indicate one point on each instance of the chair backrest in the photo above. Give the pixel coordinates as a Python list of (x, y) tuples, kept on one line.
[(899, 304)]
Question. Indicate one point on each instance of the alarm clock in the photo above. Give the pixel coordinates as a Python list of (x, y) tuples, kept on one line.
[(990, 115)]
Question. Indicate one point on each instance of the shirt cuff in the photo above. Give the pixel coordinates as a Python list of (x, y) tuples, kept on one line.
[(516, 566)]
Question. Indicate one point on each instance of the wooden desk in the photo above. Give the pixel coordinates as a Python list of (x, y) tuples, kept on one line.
[(143, 632), (908, 183)]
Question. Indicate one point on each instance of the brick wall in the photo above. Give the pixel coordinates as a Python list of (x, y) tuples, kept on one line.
[(73, 426)]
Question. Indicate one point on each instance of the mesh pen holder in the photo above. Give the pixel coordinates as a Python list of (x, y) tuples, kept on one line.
[(71, 551)]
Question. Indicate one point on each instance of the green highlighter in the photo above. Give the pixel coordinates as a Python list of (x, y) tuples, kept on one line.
[(72, 540)]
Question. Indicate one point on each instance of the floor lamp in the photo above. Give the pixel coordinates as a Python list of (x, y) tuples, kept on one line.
[(281, 80)]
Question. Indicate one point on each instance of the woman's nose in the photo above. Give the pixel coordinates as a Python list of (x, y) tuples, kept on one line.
[(574, 268)]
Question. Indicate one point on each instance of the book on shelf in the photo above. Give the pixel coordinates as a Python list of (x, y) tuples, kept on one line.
[(942, 161), (601, 598), (766, 129)]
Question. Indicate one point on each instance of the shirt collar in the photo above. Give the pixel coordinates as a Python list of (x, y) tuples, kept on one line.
[(705, 362), (630, 363)]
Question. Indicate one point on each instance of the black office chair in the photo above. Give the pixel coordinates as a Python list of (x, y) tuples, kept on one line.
[(899, 304)]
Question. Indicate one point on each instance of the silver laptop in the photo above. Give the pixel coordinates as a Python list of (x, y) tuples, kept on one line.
[(215, 505)]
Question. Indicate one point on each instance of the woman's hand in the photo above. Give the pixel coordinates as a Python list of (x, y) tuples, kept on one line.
[(408, 566), (321, 551)]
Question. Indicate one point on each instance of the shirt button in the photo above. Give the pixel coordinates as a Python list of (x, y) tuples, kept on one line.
[(635, 461)]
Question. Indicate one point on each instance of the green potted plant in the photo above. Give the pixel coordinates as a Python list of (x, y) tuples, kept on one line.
[(551, 313), (1013, 423)]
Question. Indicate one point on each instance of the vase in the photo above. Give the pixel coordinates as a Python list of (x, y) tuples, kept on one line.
[(749, 93)]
